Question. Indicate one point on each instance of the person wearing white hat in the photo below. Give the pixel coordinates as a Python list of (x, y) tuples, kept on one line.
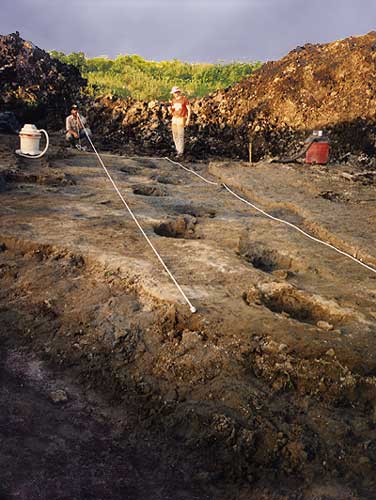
[(76, 128), (180, 110)]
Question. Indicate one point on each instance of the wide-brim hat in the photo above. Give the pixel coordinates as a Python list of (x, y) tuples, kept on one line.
[(174, 90)]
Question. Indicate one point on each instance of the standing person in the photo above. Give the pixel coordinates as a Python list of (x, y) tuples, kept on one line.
[(76, 129), (181, 114)]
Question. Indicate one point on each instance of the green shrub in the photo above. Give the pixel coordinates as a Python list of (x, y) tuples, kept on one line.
[(131, 75)]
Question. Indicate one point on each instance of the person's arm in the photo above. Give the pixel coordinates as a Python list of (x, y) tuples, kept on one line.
[(189, 114), (82, 121)]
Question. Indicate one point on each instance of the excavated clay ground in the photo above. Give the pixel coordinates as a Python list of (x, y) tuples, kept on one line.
[(112, 389)]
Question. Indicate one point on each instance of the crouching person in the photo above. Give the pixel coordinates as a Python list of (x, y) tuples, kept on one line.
[(76, 129)]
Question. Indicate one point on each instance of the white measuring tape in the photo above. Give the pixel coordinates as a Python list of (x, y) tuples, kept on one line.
[(191, 306), (300, 230), (297, 228), (207, 181)]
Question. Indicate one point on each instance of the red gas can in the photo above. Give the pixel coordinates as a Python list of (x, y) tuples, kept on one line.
[(318, 152)]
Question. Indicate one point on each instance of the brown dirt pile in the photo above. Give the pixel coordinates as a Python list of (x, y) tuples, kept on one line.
[(34, 85), (328, 87)]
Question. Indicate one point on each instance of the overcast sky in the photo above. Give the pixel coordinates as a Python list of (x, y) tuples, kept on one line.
[(191, 30)]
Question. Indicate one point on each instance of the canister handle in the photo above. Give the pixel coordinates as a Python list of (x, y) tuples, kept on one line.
[(47, 143)]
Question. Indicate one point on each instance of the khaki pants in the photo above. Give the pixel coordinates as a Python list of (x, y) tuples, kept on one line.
[(72, 140), (178, 133)]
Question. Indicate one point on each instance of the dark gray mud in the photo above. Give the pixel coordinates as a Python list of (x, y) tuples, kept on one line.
[(111, 388)]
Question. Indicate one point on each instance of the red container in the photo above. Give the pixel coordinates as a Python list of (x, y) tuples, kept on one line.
[(318, 153)]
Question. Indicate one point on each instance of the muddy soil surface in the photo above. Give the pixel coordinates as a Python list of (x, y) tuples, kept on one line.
[(111, 388)]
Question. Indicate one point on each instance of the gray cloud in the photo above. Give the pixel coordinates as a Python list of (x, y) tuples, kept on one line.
[(194, 30)]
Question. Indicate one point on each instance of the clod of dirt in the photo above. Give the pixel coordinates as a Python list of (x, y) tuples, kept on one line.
[(324, 325), (280, 274), (179, 227), (146, 163), (58, 396), (167, 179), (9, 123), (47, 178), (332, 196), (194, 211), (150, 190), (128, 170)]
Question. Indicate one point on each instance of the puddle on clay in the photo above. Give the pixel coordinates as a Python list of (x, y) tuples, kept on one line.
[(288, 215), (262, 257), (297, 304), (333, 196), (44, 178), (150, 190), (129, 170), (145, 163), (167, 179)]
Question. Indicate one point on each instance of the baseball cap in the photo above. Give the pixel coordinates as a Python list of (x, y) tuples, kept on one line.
[(175, 89), (74, 106)]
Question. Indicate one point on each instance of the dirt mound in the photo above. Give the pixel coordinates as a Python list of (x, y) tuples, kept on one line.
[(330, 87), (132, 125), (34, 85)]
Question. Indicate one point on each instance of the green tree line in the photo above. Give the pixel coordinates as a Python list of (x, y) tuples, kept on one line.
[(133, 76)]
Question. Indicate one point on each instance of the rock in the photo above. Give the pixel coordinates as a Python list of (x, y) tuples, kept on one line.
[(58, 396), (171, 395), (9, 123), (371, 451), (331, 353), (364, 461), (373, 417), (347, 176), (282, 347), (280, 273), (177, 227), (252, 296), (190, 339), (324, 325)]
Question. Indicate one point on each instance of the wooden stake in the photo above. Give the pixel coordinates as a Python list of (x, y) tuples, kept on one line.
[(250, 152)]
